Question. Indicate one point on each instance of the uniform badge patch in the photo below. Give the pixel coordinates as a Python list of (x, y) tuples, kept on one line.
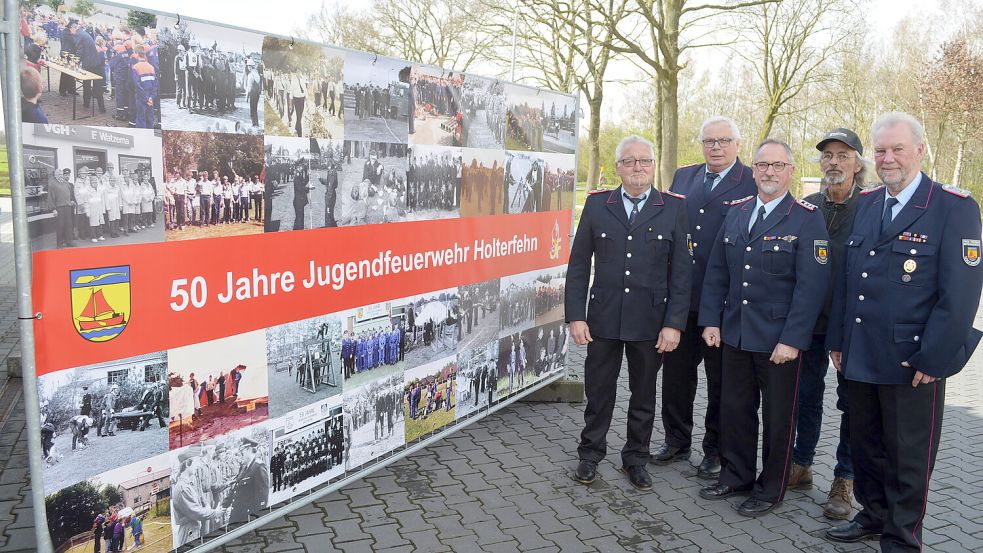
[(821, 250), (971, 252)]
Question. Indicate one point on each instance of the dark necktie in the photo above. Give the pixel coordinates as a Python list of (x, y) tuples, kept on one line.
[(634, 208), (758, 221), (708, 182), (888, 213)]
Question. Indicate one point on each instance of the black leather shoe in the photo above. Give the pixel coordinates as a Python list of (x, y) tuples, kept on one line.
[(669, 453), (586, 472), (638, 477), (850, 533), (754, 507), (721, 491), (709, 469)]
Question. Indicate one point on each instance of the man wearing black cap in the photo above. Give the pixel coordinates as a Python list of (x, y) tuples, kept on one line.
[(844, 174), (252, 484)]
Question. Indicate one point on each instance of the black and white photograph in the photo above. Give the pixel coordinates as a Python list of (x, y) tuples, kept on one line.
[(551, 284), (373, 183), (477, 378), (436, 108), (558, 182), (101, 69), (115, 509), (517, 310), (429, 397), (373, 343), (308, 449), (100, 417), (559, 123), (480, 320), (219, 482), (92, 186), (375, 410), (214, 185), (304, 359), (377, 98), (523, 182), (304, 90), (433, 325), (546, 346), (483, 113), (482, 182), (303, 177), (210, 77), (524, 118), (217, 387), (433, 180)]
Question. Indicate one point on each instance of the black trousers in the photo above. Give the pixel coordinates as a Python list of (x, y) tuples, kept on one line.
[(750, 380), (601, 370), (894, 439), (679, 381)]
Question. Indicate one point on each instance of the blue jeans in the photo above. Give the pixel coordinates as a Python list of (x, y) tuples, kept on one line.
[(812, 386)]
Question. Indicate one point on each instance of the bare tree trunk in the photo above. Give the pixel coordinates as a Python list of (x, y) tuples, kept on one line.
[(670, 131), (658, 116), (767, 125), (957, 170), (593, 137)]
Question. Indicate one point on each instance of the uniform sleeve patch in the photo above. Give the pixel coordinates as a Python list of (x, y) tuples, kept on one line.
[(971, 252), (821, 251)]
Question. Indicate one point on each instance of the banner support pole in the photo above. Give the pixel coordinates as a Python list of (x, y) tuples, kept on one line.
[(22, 260)]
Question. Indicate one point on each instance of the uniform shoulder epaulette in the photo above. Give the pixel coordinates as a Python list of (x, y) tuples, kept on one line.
[(598, 191), (871, 190), (806, 205), (740, 201), (956, 191), (675, 195), (688, 165)]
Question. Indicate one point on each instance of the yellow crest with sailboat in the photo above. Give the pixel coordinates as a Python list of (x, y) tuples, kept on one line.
[(100, 302)]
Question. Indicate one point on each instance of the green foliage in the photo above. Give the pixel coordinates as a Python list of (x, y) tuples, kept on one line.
[(72, 510), (55, 4), (111, 494), (136, 19), (84, 8)]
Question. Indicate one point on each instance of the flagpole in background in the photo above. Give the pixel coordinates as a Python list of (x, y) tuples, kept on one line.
[(10, 80)]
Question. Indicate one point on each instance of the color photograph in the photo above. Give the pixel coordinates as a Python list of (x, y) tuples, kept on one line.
[(210, 77), (217, 387), (376, 98), (119, 510), (374, 341), (483, 182), (524, 118), (304, 360), (100, 417), (551, 285), (92, 186), (436, 109), (558, 182), (428, 397), (303, 89)]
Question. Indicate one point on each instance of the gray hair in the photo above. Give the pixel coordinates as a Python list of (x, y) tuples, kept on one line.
[(893, 118), (734, 131), (767, 141), (866, 169), (627, 141)]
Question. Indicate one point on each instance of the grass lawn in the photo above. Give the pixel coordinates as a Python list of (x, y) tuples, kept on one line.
[(4, 171), (437, 419)]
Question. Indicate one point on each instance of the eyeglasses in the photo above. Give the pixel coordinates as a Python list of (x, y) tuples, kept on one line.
[(779, 166), (711, 142), (840, 157), (640, 162)]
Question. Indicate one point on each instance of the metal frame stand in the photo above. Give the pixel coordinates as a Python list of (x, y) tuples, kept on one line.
[(10, 80)]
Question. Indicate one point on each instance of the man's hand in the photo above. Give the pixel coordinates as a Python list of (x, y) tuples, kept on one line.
[(920, 377), (837, 358), (580, 332), (668, 339), (783, 354), (711, 335)]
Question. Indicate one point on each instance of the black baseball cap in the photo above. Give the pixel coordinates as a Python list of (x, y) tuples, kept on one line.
[(845, 136)]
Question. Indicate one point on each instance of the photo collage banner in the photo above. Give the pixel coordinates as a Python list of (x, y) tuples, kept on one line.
[(263, 264)]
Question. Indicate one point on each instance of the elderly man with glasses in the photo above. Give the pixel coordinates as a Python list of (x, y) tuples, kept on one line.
[(760, 305), (710, 189), (637, 306)]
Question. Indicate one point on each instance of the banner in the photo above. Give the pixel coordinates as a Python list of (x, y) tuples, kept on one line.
[(263, 264)]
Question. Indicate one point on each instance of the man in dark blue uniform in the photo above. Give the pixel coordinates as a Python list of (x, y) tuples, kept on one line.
[(768, 260), (901, 323), (638, 304), (709, 189)]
